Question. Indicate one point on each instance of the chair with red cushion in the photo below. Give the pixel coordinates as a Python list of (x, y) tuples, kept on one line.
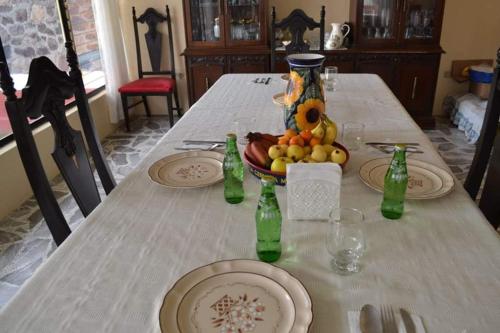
[(156, 82)]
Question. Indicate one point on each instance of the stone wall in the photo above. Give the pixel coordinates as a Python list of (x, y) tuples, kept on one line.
[(31, 28)]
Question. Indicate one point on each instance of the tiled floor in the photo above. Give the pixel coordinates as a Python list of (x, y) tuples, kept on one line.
[(25, 242)]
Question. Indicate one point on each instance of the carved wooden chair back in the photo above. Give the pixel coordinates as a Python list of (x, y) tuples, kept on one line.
[(45, 94), (486, 138), (486, 159), (297, 23), (153, 38), (152, 85)]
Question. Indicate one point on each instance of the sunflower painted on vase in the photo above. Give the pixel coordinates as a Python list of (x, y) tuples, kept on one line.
[(304, 98)]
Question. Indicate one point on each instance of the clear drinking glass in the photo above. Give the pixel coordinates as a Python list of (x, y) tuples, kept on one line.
[(242, 126), (353, 135), (331, 73), (345, 240)]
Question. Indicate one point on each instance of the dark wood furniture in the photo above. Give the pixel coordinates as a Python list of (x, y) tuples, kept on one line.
[(395, 39), (152, 84), (481, 159), (239, 43), (45, 94), (297, 22)]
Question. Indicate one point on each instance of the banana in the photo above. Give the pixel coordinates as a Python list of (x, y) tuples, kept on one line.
[(258, 153), (330, 134), (319, 130)]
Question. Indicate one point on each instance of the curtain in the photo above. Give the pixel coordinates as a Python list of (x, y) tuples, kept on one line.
[(112, 49)]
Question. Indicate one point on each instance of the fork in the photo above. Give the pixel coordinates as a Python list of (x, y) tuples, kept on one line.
[(388, 319)]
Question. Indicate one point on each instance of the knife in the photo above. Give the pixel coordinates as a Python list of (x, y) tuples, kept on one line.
[(198, 142), (408, 321), (369, 319), (392, 143)]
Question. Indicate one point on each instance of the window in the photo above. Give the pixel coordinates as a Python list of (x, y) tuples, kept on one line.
[(31, 28)]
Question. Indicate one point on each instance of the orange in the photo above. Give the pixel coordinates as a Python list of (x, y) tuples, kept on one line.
[(290, 133), (283, 140), (297, 140), (314, 141), (306, 135)]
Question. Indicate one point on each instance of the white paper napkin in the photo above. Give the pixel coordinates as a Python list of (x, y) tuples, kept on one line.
[(353, 317), (313, 190)]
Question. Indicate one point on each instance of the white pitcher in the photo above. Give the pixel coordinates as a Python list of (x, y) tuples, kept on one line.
[(336, 38)]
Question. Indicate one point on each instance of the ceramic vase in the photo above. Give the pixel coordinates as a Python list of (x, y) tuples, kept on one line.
[(304, 98)]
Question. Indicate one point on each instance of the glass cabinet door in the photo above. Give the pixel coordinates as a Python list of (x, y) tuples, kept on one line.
[(420, 19), (206, 22), (379, 20), (244, 21)]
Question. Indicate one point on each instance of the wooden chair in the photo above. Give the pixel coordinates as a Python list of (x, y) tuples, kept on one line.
[(152, 85), (486, 138), (45, 94), (297, 23), (485, 158)]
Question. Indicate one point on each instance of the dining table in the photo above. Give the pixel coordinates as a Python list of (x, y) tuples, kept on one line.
[(440, 261)]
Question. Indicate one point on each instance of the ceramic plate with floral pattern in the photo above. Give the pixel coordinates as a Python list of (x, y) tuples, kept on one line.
[(236, 296), (425, 180), (188, 170)]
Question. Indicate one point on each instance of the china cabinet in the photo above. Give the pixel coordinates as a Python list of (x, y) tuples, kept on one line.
[(392, 23), (224, 36)]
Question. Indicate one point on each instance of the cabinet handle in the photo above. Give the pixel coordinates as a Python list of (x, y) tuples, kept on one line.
[(414, 90), (207, 84)]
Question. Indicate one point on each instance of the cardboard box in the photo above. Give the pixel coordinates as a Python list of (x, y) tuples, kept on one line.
[(481, 90)]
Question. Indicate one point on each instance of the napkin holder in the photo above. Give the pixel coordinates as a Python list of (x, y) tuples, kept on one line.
[(313, 190)]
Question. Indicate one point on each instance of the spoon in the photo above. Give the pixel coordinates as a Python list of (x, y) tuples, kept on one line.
[(369, 319)]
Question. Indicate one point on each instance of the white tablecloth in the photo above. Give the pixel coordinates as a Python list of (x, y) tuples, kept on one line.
[(440, 261)]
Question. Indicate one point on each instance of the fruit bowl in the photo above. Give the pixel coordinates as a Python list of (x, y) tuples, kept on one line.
[(259, 171)]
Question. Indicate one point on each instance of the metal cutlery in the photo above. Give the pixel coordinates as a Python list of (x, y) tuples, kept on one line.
[(198, 142), (408, 321), (212, 147), (388, 320), (262, 80), (369, 319), (392, 143), (390, 149)]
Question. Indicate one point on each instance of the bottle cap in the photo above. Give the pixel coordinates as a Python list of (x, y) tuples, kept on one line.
[(231, 136), (400, 147), (268, 179)]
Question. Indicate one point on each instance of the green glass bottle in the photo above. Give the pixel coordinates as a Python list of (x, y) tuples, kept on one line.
[(395, 183), (268, 220), (233, 172)]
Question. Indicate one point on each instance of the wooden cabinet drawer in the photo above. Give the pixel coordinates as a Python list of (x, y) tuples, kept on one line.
[(249, 64), (203, 72)]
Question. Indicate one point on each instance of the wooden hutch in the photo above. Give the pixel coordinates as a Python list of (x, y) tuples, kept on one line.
[(396, 39)]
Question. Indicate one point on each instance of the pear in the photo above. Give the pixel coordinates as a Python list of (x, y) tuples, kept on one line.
[(319, 131)]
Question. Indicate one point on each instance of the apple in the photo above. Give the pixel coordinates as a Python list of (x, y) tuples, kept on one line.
[(338, 156), (319, 155), (309, 159), (284, 147), (276, 151), (295, 152), (307, 150), (328, 149), (279, 164)]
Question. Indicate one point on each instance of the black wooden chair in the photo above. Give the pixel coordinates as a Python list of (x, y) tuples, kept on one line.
[(152, 85), (490, 199), (45, 94), (297, 23)]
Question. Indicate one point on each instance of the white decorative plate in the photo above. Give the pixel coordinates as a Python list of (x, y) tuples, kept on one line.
[(425, 180), (279, 99), (188, 170), (236, 294)]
